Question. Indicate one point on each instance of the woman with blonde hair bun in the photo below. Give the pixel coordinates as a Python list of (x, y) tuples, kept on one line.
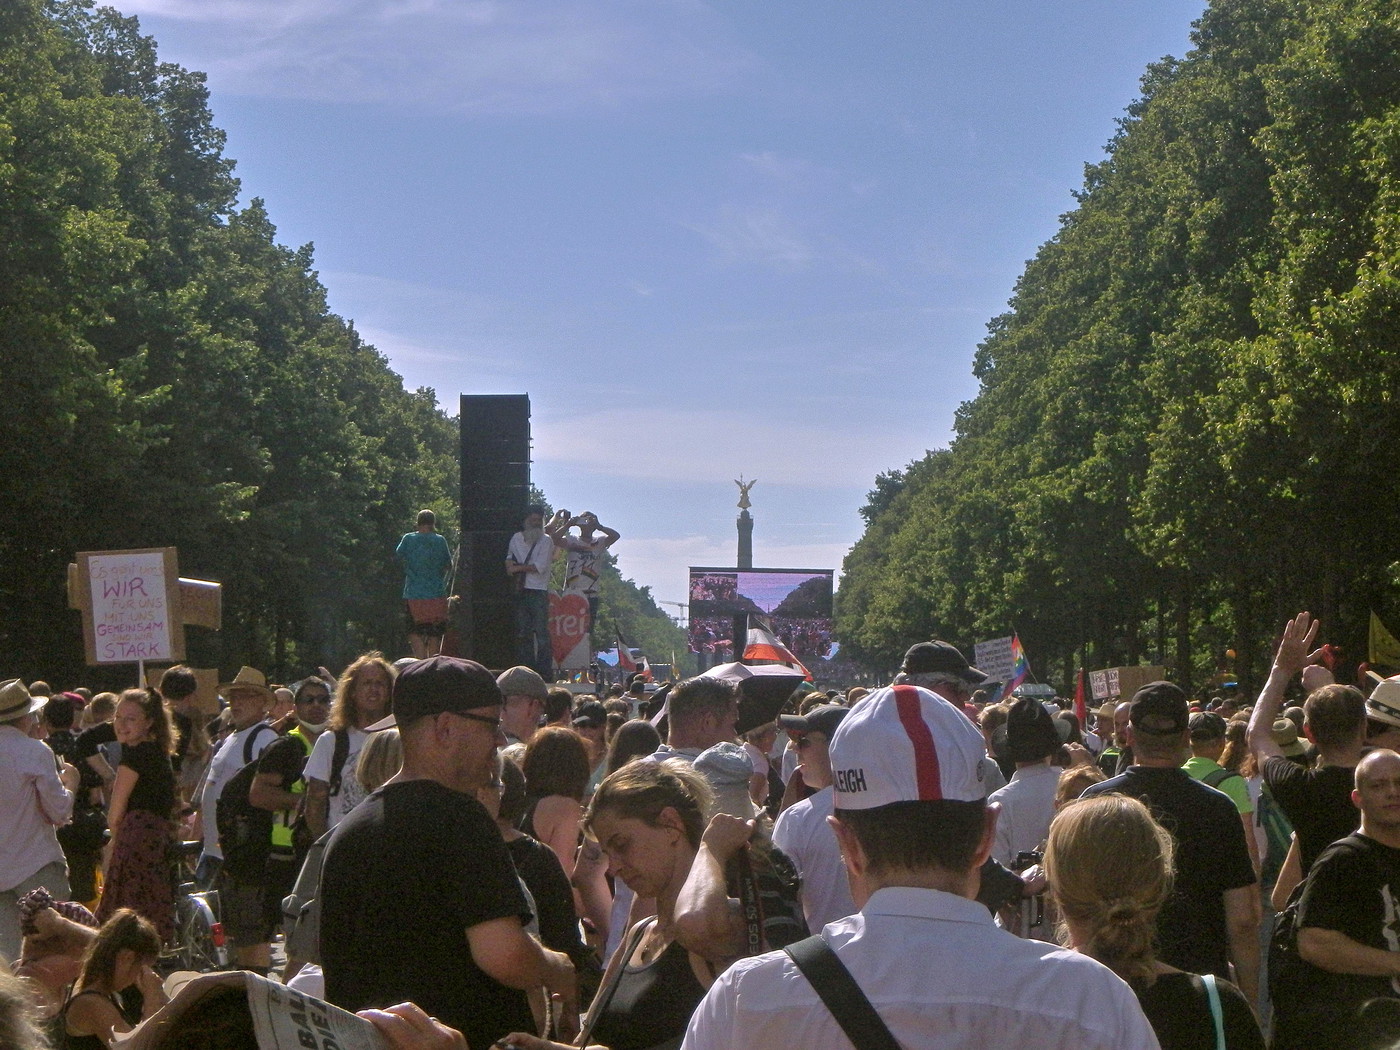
[(1109, 865)]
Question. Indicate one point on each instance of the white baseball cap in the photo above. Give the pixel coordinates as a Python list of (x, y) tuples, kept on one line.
[(907, 744)]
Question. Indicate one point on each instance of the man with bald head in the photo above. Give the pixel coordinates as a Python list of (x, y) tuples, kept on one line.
[(1349, 919)]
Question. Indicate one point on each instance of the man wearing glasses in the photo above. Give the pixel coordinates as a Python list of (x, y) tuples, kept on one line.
[(802, 831), (418, 871)]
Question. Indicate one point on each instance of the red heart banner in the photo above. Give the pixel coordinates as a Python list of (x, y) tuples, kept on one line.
[(568, 630)]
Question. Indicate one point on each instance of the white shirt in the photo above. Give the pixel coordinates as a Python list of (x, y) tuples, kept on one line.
[(757, 758), (1027, 807), (539, 559), (32, 801), (228, 761), (942, 977), (318, 767), (804, 835)]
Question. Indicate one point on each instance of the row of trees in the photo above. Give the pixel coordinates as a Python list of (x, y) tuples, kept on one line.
[(173, 374), (1186, 424)]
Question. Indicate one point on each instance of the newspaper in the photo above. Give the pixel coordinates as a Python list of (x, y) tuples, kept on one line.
[(282, 1018)]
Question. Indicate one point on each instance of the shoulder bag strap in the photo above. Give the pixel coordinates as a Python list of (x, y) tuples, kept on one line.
[(838, 990), (1216, 1016), (750, 903), (626, 950)]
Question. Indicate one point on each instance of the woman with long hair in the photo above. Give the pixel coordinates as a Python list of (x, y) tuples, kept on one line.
[(122, 956), (137, 865), (556, 769), (650, 818), (1109, 865)]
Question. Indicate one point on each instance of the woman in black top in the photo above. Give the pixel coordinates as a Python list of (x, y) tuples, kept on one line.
[(649, 818), (122, 956), (137, 867), (1109, 865)]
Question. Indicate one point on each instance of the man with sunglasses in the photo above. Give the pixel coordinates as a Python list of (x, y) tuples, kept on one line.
[(802, 831), (418, 872), (280, 786)]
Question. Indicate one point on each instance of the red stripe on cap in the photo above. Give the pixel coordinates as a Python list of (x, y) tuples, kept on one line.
[(911, 716)]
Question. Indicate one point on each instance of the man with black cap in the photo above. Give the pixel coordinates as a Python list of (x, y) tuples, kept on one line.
[(1028, 802), (420, 900), (1212, 916), (802, 831), (940, 668), (911, 815)]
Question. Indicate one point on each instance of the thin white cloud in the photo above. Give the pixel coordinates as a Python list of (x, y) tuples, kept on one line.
[(692, 444), (775, 165), (755, 234), (482, 57)]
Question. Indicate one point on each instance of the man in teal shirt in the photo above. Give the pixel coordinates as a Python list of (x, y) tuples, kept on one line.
[(426, 561), (1207, 745)]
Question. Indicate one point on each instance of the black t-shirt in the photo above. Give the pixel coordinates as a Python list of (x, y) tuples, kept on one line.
[(407, 872), (1211, 857), (155, 781), (1317, 802), (61, 742), (86, 746), (1178, 1009), (1353, 888), (538, 865)]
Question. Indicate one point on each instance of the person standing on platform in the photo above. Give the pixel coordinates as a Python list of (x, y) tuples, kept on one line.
[(528, 561), (585, 557), (426, 561)]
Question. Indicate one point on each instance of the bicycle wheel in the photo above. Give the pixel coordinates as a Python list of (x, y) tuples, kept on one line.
[(202, 945)]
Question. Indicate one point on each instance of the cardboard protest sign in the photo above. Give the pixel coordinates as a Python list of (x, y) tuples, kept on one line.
[(131, 606)]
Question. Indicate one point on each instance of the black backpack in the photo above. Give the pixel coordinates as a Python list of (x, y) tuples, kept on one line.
[(1291, 977), (245, 832)]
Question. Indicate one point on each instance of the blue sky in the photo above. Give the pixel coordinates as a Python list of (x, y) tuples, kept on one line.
[(706, 238)]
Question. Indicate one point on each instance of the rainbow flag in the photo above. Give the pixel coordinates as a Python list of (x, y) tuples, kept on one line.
[(1020, 666)]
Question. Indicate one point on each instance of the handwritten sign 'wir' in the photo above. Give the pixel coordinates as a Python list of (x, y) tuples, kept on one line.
[(133, 598)]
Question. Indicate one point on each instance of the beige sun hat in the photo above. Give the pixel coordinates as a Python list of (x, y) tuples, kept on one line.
[(15, 701), (248, 679)]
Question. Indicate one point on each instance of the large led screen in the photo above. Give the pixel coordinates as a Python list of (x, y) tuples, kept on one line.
[(794, 603)]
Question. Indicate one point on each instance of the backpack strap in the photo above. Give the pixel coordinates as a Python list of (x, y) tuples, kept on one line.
[(251, 740), (834, 984), (1216, 1014), (338, 757), (1216, 777)]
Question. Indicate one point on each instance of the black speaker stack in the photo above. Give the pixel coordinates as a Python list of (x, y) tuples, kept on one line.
[(495, 492)]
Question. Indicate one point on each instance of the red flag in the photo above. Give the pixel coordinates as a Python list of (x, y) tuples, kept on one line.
[(1081, 702), (763, 645)]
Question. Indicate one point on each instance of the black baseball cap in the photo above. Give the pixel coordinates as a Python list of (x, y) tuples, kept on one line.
[(442, 684), (823, 719), (592, 715), (1207, 725), (1160, 709), (940, 658)]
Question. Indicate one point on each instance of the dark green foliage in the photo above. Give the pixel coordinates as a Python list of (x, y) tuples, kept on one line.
[(1185, 430), (174, 375)]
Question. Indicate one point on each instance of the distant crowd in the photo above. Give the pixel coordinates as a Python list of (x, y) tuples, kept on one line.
[(477, 859)]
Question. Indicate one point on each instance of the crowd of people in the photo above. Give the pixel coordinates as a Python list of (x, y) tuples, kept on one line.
[(474, 859)]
